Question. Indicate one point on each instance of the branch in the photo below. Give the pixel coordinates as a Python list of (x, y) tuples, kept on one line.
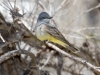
[(42, 5), (84, 62), (64, 2), (48, 59), (2, 38), (77, 17), (13, 53)]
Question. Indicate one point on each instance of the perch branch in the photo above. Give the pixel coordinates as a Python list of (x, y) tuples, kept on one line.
[(84, 62)]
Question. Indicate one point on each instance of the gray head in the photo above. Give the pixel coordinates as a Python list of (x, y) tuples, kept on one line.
[(44, 17)]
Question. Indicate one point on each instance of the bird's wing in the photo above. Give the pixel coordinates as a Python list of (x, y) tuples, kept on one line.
[(53, 31)]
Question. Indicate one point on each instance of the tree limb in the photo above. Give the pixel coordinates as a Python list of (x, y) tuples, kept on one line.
[(13, 53), (84, 62)]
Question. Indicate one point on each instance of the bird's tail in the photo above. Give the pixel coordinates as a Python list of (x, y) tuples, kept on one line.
[(72, 48)]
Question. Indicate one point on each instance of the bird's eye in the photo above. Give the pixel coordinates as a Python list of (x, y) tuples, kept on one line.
[(43, 17)]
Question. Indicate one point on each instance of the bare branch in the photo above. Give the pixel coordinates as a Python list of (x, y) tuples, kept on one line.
[(82, 15), (64, 2), (2, 38), (42, 5), (84, 62), (51, 54), (13, 53)]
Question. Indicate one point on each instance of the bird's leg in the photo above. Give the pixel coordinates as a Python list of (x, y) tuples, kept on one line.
[(47, 41)]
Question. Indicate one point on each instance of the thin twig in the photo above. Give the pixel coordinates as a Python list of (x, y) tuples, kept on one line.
[(42, 5), (34, 14), (82, 15), (2, 38), (4, 7), (64, 2), (51, 54), (10, 4), (22, 21), (83, 35)]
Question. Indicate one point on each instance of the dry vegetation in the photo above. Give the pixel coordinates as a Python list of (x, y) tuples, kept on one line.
[(21, 53)]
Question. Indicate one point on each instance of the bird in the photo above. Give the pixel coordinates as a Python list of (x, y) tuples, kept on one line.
[(45, 31)]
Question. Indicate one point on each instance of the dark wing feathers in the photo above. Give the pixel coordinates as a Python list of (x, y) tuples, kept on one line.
[(57, 34)]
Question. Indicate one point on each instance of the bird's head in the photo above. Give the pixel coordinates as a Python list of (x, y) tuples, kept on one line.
[(43, 16)]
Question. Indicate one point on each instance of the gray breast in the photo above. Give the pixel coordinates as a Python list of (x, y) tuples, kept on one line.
[(40, 30)]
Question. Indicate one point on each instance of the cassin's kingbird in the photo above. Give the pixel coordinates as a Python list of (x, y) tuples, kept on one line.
[(46, 31)]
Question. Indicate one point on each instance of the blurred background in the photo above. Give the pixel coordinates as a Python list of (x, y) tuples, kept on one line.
[(79, 22)]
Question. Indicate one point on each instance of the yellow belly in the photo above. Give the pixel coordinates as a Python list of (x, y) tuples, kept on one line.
[(52, 39), (42, 35)]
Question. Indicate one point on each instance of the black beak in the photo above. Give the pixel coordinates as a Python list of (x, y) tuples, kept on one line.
[(50, 17)]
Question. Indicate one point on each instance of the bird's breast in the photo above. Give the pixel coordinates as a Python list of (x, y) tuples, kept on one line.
[(41, 33)]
